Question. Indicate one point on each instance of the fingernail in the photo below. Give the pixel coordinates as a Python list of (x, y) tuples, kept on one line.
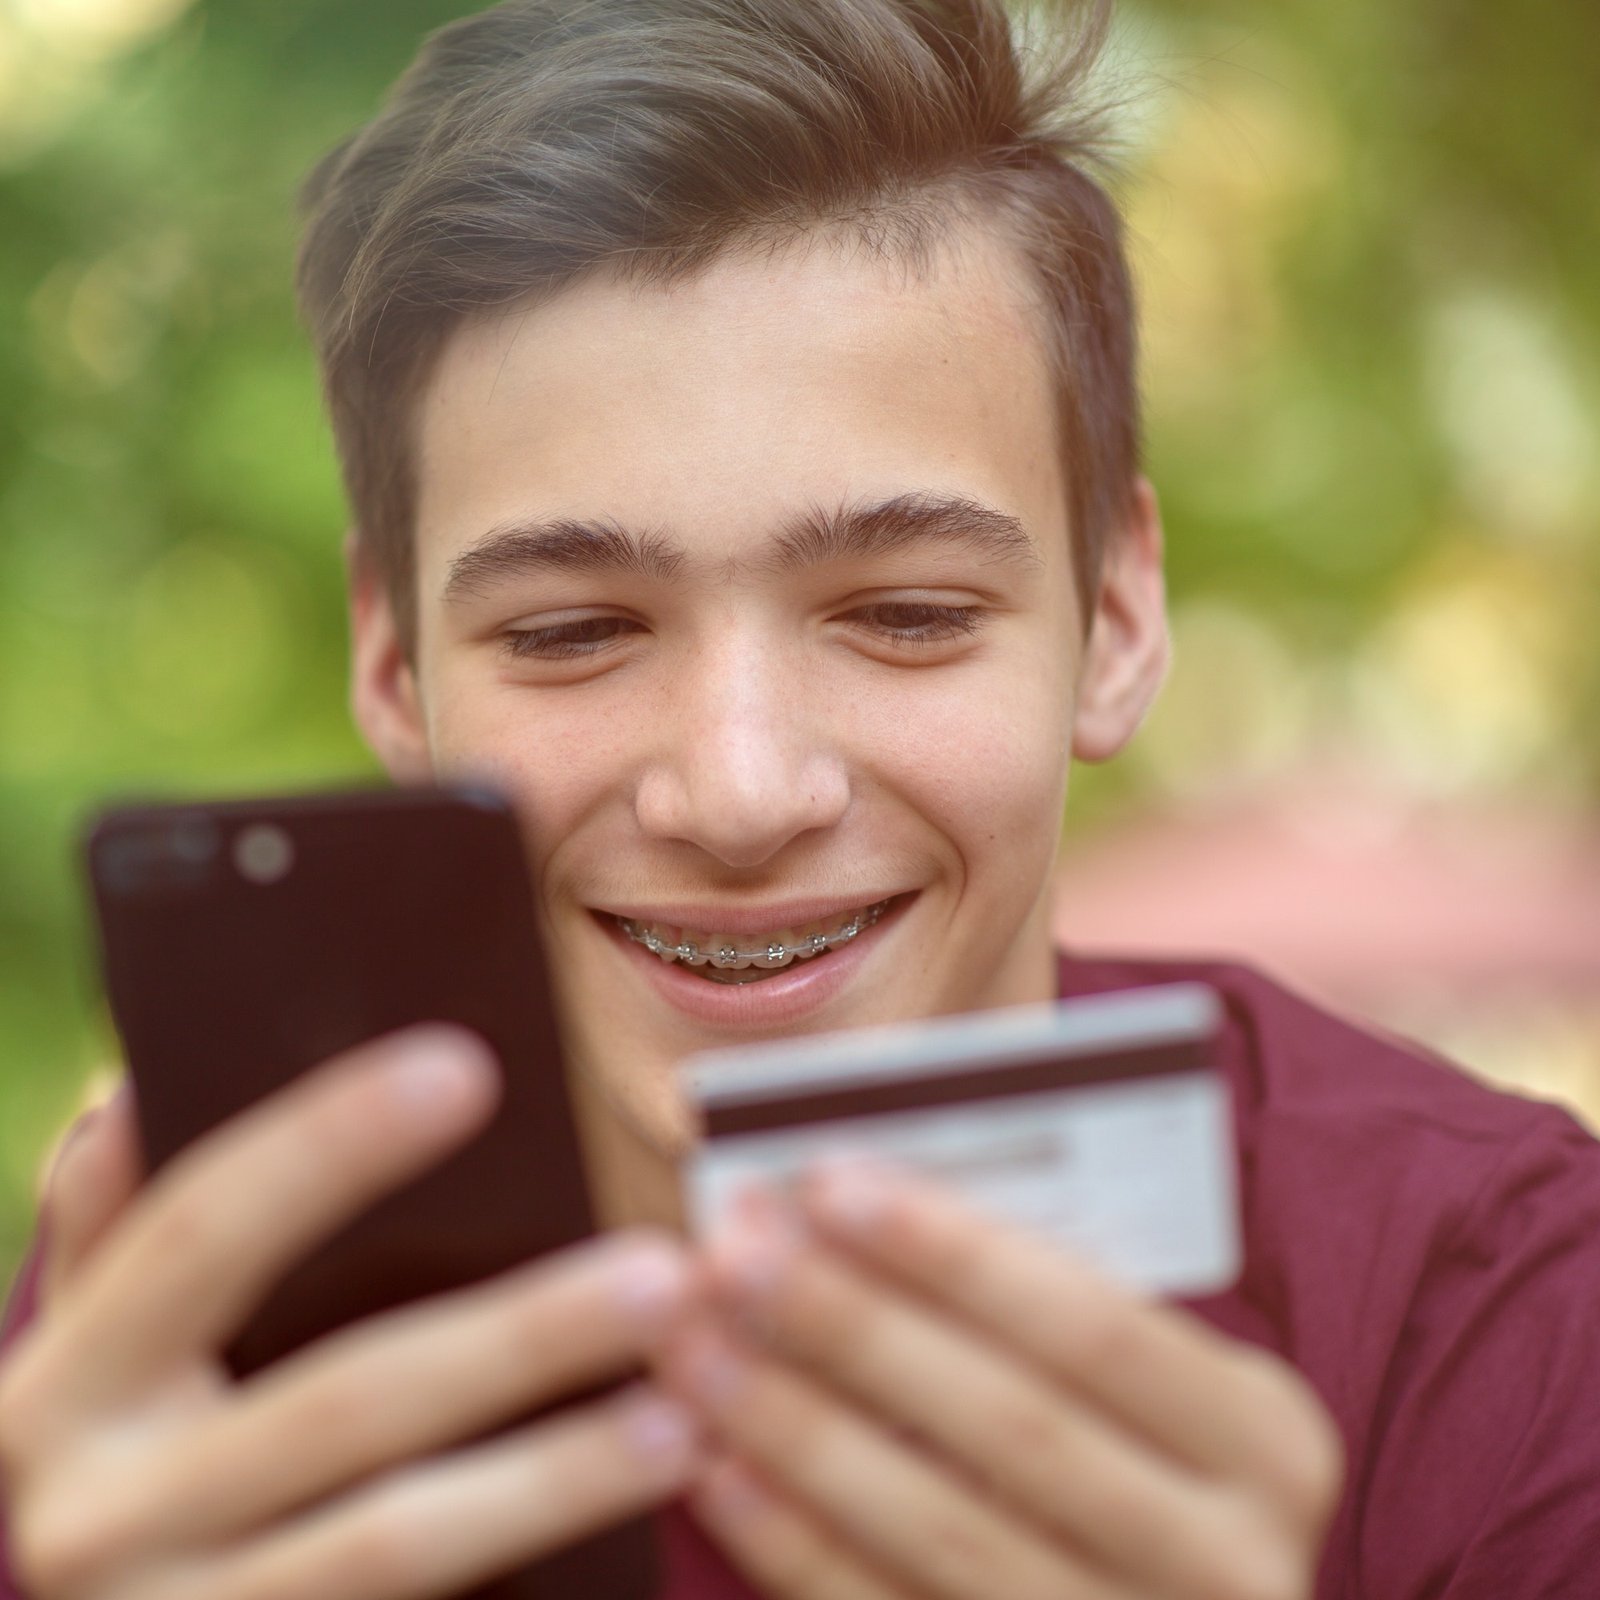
[(74, 1136), (438, 1068), (754, 1200), (729, 1494), (652, 1284), (753, 1257), (711, 1371), (660, 1432), (850, 1192)]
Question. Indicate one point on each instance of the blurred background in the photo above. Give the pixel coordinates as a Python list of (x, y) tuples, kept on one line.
[(1366, 235)]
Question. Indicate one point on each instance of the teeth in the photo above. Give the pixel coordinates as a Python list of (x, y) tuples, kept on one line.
[(725, 953), (728, 953), (777, 950)]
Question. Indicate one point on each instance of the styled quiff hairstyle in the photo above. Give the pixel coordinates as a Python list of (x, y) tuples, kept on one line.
[(545, 140)]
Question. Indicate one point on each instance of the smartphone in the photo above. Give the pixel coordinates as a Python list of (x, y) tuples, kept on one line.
[(245, 942)]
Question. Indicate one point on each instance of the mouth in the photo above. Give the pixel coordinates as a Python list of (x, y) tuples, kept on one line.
[(792, 965), (741, 959)]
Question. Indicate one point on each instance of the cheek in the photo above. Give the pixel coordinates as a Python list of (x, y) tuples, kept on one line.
[(985, 759), (555, 756)]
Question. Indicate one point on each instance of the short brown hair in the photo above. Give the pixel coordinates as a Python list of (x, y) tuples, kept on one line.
[(543, 140)]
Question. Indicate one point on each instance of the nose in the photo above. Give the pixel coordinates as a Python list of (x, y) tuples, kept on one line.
[(743, 764)]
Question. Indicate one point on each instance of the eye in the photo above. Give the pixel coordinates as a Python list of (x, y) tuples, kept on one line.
[(918, 622), (566, 641)]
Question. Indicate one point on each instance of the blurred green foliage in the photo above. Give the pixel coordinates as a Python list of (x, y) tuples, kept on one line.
[(1367, 237)]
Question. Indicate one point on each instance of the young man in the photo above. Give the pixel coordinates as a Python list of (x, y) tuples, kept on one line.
[(737, 404)]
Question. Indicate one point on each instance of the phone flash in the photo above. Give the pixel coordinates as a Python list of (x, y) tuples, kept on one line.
[(263, 854)]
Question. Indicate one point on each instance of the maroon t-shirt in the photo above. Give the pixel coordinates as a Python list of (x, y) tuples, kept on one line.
[(1427, 1253)]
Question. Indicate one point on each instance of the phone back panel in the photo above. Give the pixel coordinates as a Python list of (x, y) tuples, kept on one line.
[(245, 942)]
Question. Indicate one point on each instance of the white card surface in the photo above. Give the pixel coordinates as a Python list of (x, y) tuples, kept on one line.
[(1095, 1122)]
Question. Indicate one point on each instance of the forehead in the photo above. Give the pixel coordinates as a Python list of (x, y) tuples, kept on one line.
[(718, 405)]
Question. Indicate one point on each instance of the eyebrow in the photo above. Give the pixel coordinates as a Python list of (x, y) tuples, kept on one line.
[(819, 536), (568, 544), (854, 532)]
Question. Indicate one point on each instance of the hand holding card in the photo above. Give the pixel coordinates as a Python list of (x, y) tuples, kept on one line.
[(909, 1401), (939, 1375)]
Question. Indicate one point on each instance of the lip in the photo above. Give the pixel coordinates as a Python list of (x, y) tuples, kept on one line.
[(791, 995), (744, 919)]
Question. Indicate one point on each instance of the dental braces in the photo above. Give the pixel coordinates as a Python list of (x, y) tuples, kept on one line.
[(776, 954)]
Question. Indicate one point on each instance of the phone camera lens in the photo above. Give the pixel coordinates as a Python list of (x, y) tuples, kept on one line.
[(263, 853)]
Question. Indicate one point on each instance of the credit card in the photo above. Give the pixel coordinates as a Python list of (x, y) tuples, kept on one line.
[(1100, 1122)]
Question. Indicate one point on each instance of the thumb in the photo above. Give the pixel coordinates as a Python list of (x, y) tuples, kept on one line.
[(96, 1172)]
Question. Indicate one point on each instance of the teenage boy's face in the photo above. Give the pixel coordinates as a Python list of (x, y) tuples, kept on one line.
[(755, 593)]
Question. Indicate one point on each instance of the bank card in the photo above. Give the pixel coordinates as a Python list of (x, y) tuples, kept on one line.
[(1100, 1122)]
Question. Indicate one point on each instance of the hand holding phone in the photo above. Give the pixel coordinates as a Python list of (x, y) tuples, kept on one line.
[(136, 1463), (385, 1248)]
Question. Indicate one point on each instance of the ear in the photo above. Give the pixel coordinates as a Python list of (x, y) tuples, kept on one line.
[(384, 699), (1125, 658)]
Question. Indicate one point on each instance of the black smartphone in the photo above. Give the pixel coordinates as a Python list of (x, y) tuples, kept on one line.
[(245, 942)]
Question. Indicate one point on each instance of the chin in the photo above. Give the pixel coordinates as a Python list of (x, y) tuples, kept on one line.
[(657, 1110), (633, 1078)]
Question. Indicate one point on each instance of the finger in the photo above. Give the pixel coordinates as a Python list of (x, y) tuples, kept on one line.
[(95, 1174), (227, 1216), (1219, 1404), (398, 1386), (1061, 1463), (927, 1529), (443, 1526), (785, 1552)]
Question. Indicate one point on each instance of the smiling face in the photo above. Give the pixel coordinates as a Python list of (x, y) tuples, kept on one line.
[(755, 594)]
